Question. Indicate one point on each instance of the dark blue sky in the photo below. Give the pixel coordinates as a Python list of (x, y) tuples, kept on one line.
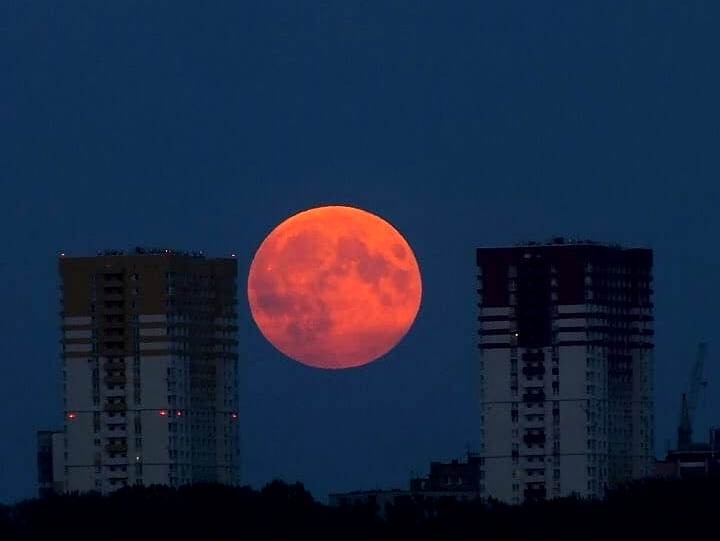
[(463, 123)]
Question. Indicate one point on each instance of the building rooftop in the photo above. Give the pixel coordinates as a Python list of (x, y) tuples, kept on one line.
[(142, 250), (562, 241)]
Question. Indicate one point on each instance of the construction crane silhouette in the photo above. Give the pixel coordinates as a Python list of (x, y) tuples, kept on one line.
[(690, 399)]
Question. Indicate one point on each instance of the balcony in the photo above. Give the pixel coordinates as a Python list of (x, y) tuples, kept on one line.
[(532, 408), (535, 472), (533, 462), (114, 307), (534, 439), (116, 380), (537, 356), (113, 280), (533, 385), (115, 364), (117, 461), (113, 349), (116, 407), (114, 321), (536, 397), (116, 447), (112, 392), (533, 370), (114, 431), (115, 332), (534, 422)]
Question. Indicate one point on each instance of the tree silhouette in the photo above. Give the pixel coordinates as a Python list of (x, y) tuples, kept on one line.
[(641, 510)]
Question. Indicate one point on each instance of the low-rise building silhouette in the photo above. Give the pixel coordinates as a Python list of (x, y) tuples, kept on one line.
[(455, 479), (695, 459)]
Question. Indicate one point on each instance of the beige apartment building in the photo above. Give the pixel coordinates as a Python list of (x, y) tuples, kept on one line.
[(150, 370)]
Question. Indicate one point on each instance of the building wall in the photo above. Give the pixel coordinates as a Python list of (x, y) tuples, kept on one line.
[(497, 429), (58, 462), (570, 399), (45, 463)]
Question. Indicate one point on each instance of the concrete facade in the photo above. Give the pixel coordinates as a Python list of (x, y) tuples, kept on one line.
[(149, 370), (566, 340)]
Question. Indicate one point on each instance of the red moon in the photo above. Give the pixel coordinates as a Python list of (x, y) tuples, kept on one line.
[(334, 287)]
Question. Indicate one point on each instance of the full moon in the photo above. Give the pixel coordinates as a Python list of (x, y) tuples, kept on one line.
[(334, 287)]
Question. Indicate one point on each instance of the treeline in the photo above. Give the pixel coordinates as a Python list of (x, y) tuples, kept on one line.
[(645, 510)]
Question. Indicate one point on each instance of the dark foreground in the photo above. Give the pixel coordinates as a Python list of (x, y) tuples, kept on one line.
[(648, 510)]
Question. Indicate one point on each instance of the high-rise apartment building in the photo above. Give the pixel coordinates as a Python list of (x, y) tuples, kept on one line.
[(566, 340), (149, 351)]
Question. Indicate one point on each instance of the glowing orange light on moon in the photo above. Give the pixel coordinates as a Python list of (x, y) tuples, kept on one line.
[(334, 287)]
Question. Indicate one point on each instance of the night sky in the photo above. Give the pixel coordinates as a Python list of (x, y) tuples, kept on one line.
[(464, 124)]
